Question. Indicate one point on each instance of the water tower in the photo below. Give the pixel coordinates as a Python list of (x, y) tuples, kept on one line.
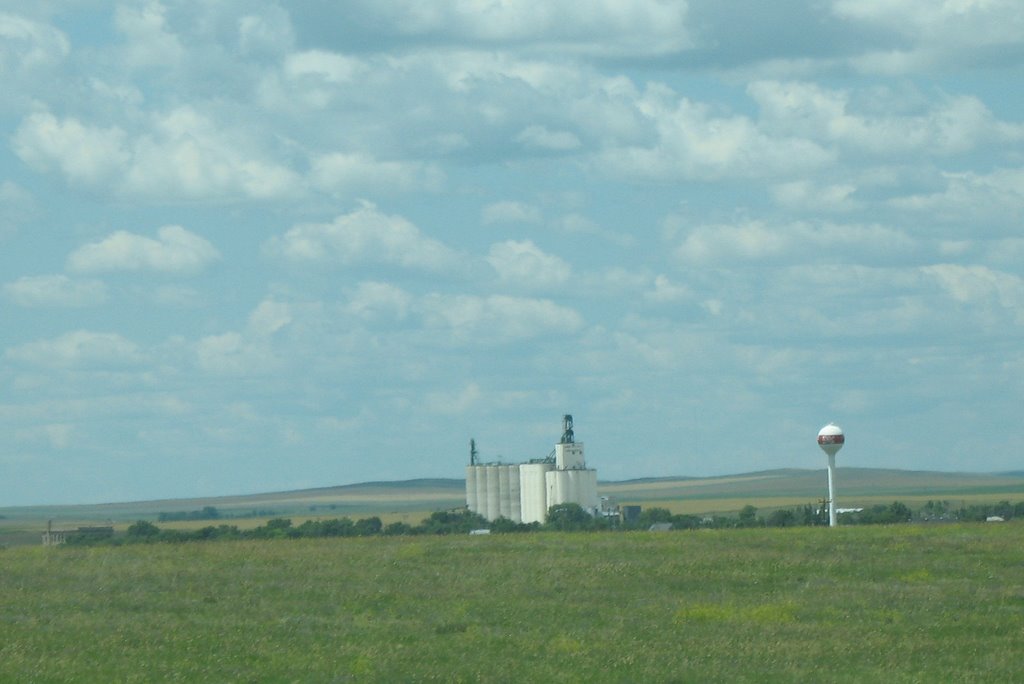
[(831, 440)]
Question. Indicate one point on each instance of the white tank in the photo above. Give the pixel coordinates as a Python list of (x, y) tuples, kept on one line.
[(504, 493), (493, 492), (514, 489), (533, 491), (573, 486), (471, 488), (481, 490), (585, 487)]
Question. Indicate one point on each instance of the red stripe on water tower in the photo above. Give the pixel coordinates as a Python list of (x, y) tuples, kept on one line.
[(831, 439)]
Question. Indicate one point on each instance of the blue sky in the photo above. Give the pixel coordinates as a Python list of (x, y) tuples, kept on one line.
[(250, 246)]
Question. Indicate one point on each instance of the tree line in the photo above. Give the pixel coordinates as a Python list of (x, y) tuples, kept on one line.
[(563, 517)]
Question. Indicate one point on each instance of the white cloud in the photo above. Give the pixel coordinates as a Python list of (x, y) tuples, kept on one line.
[(353, 173), (55, 290), (665, 291), (953, 125), (760, 241), (187, 154), (581, 225), (371, 300), (978, 284), (498, 318), (250, 351), (804, 195), (17, 206), (364, 236), (183, 154), (323, 65), (935, 33), (693, 141), (81, 348), (540, 138), (85, 154), (25, 43), (269, 317), (149, 43), (510, 212), (175, 250), (229, 353), (969, 194), (269, 32), (603, 27), (524, 264)]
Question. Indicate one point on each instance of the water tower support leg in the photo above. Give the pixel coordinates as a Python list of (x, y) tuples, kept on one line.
[(832, 490)]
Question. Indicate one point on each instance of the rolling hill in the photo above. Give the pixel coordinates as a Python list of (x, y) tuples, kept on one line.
[(412, 499)]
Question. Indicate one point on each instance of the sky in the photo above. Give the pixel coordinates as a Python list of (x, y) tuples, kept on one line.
[(251, 246)]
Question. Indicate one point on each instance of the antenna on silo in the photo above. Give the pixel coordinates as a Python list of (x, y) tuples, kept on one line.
[(567, 436), (831, 440), (472, 452)]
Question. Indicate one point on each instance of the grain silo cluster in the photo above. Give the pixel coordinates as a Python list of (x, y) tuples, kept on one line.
[(523, 492)]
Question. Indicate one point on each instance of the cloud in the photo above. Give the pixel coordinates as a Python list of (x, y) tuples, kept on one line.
[(81, 348), (978, 284), (794, 242), (968, 195), (540, 138), (187, 154), (353, 173), (55, 290), (149, 43), (374, 300), (269, 317), (510, 212), (250, 351), (605, 27), (497, 318), (85, 154), (26, 44), (175, 250), (692, 141), (524, 264), (804, 195), (666, 292), (182, 154), (954, 125), (17, 206), (270, 32), (928, 34), (364, 236)]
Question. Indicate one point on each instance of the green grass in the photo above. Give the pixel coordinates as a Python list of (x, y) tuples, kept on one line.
[(887, 604)]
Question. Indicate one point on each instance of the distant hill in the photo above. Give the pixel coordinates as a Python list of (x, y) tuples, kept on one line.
[(783, 487)]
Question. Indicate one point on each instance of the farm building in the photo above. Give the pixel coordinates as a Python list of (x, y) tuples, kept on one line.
[(52, 537)]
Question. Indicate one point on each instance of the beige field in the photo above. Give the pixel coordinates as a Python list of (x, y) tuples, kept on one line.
[(411, 502)]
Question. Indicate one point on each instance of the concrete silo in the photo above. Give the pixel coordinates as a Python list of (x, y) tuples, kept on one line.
[(533, 491)]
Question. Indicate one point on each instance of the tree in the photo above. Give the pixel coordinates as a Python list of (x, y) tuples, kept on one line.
[(143, 529), (368, 527), (650, 516), (569, 516), (748, 516), (781, 518), (397, 529)]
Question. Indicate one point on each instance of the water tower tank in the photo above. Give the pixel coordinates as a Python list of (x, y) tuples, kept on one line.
[(831, 439)]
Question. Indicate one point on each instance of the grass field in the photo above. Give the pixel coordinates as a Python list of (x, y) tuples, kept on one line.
[(908, 603)]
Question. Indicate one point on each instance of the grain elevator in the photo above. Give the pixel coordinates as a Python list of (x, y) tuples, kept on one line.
[(523, 492)]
